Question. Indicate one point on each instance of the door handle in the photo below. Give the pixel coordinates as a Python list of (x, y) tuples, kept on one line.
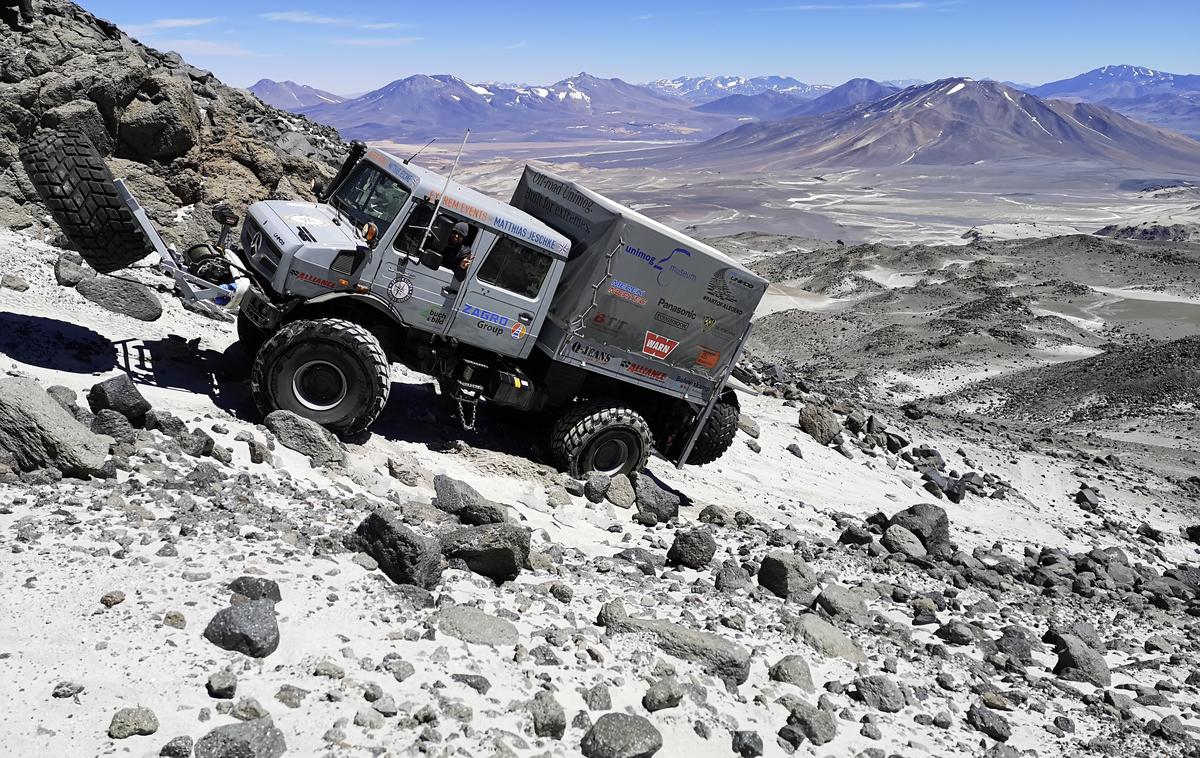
[(525, 318)]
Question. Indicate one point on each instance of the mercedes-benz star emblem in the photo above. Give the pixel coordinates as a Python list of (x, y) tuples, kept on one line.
[(255, 242)]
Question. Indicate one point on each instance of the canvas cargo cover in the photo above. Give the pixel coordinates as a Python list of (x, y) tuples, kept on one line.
[(669, 312)]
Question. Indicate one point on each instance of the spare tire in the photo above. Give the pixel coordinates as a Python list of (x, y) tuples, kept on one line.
[(78, 189)]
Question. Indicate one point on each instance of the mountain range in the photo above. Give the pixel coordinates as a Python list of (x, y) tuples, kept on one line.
[(956, 121), (291, 96), (772, 105), (1157, 97), (705, 89)]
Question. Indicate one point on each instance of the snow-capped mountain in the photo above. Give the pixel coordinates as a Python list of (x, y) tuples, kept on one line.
[(846, 95), (955, 121), (291, 96), (705, 89), (581, 105), (1119, 82), (1157, 97)]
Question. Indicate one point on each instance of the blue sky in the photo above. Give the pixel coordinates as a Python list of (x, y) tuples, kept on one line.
[(353, 46)]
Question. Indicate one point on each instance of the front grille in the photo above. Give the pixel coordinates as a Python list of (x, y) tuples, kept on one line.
[(265, 256)]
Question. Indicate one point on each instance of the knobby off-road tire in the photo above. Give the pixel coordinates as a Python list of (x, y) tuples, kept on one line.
[(600, 435), (73, 181), (331, 371), (716, 436)]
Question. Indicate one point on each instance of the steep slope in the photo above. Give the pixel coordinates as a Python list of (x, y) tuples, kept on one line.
[(581, 105), (846, 95), (290, 96), (764, 106), (705, 89), (948, 122), (177, 133)]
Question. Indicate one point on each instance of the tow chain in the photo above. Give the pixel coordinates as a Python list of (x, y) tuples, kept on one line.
[(468, 426)]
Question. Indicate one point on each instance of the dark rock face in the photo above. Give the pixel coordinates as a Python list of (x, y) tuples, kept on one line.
[(248, 739), (249, 628), (256, 588), (405, 556), (121, 296), (179, 135), (462, 500), (119, 394), (693, 548), (786, 575), (497, 551), (929, 522), (621, 735), (654, 499)]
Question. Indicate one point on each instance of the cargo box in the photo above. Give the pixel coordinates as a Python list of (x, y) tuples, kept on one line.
[(638, 300)]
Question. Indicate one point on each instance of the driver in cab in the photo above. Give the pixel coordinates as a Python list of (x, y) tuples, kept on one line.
[(455, 255)]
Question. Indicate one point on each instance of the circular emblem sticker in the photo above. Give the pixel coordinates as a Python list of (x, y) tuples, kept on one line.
[(519, 330), (400, 289)]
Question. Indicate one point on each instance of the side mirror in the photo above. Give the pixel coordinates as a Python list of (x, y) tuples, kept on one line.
[(431, 259)]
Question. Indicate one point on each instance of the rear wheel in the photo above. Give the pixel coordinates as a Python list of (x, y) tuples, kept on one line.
[(717, 434), (603, 436), (331, 371), (78, 190)]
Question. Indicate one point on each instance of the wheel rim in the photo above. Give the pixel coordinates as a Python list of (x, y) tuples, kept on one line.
[(610, 454), (319, 385)]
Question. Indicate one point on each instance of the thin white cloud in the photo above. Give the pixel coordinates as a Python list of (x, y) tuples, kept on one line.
[(150, 27), (375, 41), (302, 17), (383, 25), (208, 47), (903, 6)]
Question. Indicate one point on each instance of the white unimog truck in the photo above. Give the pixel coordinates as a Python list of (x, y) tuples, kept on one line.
[(622, 331)]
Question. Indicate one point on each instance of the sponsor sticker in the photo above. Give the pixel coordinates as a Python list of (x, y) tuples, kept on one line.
[(518, 331), (304, 276), (635, 295), (487, 326), (669, 320), (435, 316), (484, 315), (608, 323), (664, 265), (729, 289), (658, 346), (638, 369), (400, 289), (582, 350), (709, 323), (708, 358)]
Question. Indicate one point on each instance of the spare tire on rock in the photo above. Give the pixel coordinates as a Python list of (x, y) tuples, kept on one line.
[(78, 189)]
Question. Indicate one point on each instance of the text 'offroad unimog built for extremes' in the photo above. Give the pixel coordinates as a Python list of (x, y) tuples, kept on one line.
[(561, 302)]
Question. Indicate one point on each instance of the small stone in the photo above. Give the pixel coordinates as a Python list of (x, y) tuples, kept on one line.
[(222, 685), (747, 744), (620, 492), (66, 689), (109, 599), (245, 739), (693, 548), (179, 747), (549, 718), (786, 575), (663, 694), (174, 619), (881, 693), (792, 669), (621, 735), (989, 722)]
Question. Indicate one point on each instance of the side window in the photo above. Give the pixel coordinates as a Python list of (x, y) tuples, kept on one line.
[(516, 268), (409, 238)]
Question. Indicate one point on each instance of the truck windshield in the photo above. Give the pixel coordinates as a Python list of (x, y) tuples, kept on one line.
[(370, 195)]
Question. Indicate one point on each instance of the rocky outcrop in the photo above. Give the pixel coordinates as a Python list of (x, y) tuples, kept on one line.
[(36, 431), (175, 132)]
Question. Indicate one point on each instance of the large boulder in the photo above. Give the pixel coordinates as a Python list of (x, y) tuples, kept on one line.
[(650, 498), (819, 423), (497, 551), (305, 437), (249, 628), (162, 122), (827, 639), (929, 523), (720, 657), (470, 624), (1079, 662), (621, 735), (121, 296), (259, 738), (786, 575), (39, 432), (119, 394), (464, 501), (693, 548), (405, 556)]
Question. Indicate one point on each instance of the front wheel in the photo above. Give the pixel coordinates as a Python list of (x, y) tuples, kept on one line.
[(331, 371), (604, 436)]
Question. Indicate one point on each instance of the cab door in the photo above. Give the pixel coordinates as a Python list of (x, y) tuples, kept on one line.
[(505, 297), (423, 296)]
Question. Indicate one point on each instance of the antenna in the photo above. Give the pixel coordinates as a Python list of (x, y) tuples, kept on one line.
[(446, 186), (414, 155)]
